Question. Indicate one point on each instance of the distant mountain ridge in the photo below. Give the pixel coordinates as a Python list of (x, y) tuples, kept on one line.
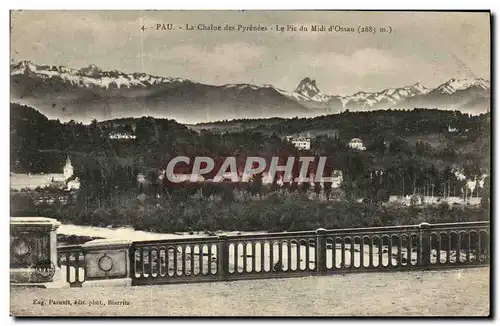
[(82, 94), (309, 94)]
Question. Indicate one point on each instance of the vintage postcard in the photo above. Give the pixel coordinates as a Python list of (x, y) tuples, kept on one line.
[(250, 163)]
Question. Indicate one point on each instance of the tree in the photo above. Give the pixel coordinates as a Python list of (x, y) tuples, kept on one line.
[(305, 186), (377, 146), (256, 184), (327, 187)]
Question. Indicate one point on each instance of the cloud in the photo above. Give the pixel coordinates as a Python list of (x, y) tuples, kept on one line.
[(223, 59), (360, 63)]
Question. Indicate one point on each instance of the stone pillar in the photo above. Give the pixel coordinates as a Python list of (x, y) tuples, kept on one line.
[(107, 263), (321, 250), (33, 251), (222, 257), (425, 244)]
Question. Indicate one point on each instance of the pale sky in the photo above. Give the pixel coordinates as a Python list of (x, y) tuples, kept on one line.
[(426, 47)]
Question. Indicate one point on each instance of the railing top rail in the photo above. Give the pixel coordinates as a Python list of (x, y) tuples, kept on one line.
[(461, 224), (297, 234), (194, 240), (71, 248), (274, 235), (373, 229), (406, 227)]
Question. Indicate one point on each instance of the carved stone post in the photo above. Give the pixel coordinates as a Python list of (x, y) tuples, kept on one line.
[(33, 251)]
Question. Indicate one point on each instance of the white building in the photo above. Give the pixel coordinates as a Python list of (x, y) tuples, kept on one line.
[(42, 180), (357, 144), (121, 135), (434, 200), (68, 169), (452, 129), (302, 143)]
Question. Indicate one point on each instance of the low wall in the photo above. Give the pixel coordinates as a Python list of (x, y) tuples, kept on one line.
[(287, 254)]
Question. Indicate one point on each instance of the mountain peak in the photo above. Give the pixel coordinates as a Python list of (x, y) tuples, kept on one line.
[(308, 91), (455, 84), (307, 87), (92, 69), (23, 66), (419, 88)]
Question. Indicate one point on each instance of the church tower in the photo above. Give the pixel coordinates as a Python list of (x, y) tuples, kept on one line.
[(68, 169)]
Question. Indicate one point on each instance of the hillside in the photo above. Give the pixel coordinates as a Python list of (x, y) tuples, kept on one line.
[(157, 139)]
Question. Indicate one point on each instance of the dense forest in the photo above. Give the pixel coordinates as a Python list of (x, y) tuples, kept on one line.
[(408, 151)]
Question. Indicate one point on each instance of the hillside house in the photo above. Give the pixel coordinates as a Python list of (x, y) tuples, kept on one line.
[(300, 142), (121, 135), (434, 200), (357, 144)]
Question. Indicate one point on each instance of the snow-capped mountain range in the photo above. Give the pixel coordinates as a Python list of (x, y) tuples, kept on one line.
[(66, 93), (307, 90), (91, 76)]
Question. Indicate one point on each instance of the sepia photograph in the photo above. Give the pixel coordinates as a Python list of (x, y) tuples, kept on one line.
[(246, 163)]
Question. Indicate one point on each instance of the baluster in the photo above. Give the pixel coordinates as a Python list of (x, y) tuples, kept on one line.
[(262, 256), (307, 255), (353, 252), (210, 272), (244, 257), (478, 248), (141, 261), (174, 257), (160, 261), (370, 252), (236, 258), (380, 251), (254, 256), (167, 261), (77, 267), (68, 263), (342, 248), (191, 247), (272, 255), (150, 261), (280, 254), (438, 249), (362, 252), (468, 249), (132, 261), (408, 249), (298, 249), (400, 251), (448, 251), (389, 252), (486, 248), (200, 259), (315, 261), (459, 247), (289, 255), (334, 253), (183, 261)]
